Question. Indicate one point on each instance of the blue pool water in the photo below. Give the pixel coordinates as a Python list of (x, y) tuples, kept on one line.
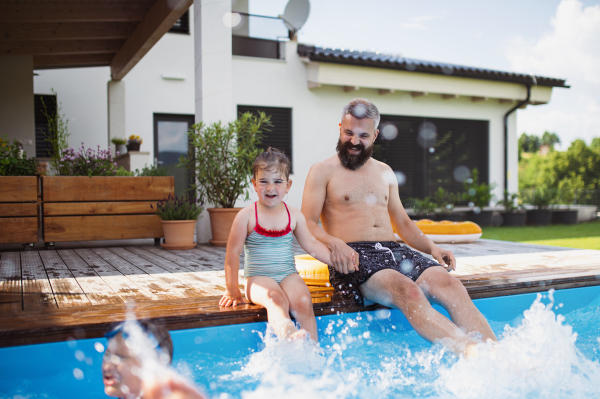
[(547, 349)]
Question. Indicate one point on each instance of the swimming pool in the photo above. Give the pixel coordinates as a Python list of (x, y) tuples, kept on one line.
[(547, 350)]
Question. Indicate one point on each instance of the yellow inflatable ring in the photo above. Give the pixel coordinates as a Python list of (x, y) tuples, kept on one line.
[(449, 232), (312, 271)]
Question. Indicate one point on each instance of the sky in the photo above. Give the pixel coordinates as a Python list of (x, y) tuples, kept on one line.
[(551, 38)]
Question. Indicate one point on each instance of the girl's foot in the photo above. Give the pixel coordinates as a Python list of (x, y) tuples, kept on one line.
[(298, 334)]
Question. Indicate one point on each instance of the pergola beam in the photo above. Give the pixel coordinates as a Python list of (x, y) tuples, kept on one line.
[(22, 47), (349, 89), (159, 19), (71, 60), (449, 96), (415, 94), (386, 91), (73, 12), (65, 30)]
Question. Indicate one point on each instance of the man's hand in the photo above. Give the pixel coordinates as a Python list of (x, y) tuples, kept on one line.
[(444, 257), (231, 298), (344, 258)]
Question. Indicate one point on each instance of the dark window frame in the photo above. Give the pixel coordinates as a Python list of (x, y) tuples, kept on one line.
[(43, 148), (279, 112), (459, 142), (182, 25), (162, 117)]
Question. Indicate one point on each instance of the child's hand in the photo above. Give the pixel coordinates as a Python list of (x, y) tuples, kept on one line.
[(231, 299)]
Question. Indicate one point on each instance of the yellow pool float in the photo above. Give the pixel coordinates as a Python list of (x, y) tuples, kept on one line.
[(314, 273), (449, 232)]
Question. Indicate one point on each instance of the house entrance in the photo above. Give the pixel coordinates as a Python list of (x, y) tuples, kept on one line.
[(170, 143)]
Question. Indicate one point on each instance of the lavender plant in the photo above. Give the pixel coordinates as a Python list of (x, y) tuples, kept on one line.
[(178, 208), (86, 162)]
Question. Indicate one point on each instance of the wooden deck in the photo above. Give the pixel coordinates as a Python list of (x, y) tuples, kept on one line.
[(77, 290)]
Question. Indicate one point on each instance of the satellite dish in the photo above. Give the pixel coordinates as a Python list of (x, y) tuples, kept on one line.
[(295, 14)]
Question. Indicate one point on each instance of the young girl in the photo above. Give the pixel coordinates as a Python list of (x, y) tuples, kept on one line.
[(264, 230)]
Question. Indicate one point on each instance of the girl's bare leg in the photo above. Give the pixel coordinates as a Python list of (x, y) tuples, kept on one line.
[(266, 292), (300, 302)]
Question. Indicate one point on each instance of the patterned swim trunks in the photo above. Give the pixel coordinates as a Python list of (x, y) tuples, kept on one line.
[(373, 257)]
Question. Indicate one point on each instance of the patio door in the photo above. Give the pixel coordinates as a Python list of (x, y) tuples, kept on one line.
[(170, 143)]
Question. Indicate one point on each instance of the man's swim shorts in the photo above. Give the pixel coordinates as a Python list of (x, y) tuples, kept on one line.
[(373, 257)]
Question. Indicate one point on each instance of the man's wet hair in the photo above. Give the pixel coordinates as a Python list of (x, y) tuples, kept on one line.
[(160, 333), (362, 108), (272, 159)]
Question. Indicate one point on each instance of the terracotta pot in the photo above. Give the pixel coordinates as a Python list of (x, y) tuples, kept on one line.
[(179, 234), (221, 220)]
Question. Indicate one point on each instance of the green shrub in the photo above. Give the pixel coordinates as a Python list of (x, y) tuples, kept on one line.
[(14, 161), (478, 193), (151, 171)]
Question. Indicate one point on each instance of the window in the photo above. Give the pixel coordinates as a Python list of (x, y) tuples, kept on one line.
[(280, 135), (43, 149), (253, 47), (182, 25), (432, 152)]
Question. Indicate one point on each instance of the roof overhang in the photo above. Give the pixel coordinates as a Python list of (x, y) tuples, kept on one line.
[(389, 73), (74, 34)]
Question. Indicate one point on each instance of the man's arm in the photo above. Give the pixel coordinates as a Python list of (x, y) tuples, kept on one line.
[(411, 234), (344, 258)]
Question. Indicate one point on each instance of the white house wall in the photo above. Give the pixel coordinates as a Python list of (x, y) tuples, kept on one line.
[(316, 113)]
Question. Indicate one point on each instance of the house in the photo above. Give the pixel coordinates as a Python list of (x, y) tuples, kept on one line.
[(439, 121)]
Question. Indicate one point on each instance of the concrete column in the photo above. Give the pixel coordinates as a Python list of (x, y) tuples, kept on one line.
[(116, 110), (213, 75), (17, 118)]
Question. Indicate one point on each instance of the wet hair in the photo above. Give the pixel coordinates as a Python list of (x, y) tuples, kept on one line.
[(160, 333), (271, 159), (361, 108)]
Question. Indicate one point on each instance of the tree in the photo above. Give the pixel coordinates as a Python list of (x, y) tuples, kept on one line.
[(529, 143), (550, 139)]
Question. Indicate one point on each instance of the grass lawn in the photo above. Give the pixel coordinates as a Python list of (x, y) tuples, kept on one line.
[(584, 235)]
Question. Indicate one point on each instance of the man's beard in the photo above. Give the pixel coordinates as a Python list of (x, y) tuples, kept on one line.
[(351, 161)]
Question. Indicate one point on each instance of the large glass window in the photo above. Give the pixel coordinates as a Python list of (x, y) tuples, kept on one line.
[(427, 153)]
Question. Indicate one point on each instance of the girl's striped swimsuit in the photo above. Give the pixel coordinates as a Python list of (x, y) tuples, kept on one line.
[(269, 253)]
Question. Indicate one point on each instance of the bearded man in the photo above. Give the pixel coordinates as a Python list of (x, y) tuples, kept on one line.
[(357, 200)]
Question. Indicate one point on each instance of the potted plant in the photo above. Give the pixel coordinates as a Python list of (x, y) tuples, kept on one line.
[(540, 198), (445, 201), (422, 209), (18, 195), (133, 143), (120, 145), (512, 215), (221, 157), (566, 196), (178, 216), (478, 196)]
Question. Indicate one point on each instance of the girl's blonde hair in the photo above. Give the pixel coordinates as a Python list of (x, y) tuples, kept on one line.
[(271, 159)]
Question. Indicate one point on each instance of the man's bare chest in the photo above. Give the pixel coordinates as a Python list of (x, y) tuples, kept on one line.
[(347, 189)]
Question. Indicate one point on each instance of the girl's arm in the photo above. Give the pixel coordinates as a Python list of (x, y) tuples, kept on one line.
[(307, 241), (235, 243)]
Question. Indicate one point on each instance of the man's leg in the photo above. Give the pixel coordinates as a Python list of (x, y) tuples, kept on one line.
[(390, 288), (447, 291)]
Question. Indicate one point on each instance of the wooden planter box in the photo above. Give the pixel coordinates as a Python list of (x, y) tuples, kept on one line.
[(18, 210), (102, 207)]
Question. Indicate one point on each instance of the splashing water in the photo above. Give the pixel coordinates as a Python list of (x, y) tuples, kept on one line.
[(377, 355)]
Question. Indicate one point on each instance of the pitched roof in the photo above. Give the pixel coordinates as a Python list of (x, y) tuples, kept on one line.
[(390, 61)]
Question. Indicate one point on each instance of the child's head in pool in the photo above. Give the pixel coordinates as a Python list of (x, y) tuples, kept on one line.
[(120, 367), (272, 160)]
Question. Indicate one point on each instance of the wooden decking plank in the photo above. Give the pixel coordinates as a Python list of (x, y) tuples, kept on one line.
[(151, 286), (176, 281), (67, 291), (127, 289), (217, 262), (201, 264), (202, 281), (95, 288), (11, 296), (219, 251), (37, 292)]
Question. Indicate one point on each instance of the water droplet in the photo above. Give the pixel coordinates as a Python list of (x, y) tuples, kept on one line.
[(472, 192), (431, 150), (389, 131), (99, 347), (427, 136), (79, 355), (232, 19), (382, 314), (400, 177), (78, 374), (461, 173), (477, 210)]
